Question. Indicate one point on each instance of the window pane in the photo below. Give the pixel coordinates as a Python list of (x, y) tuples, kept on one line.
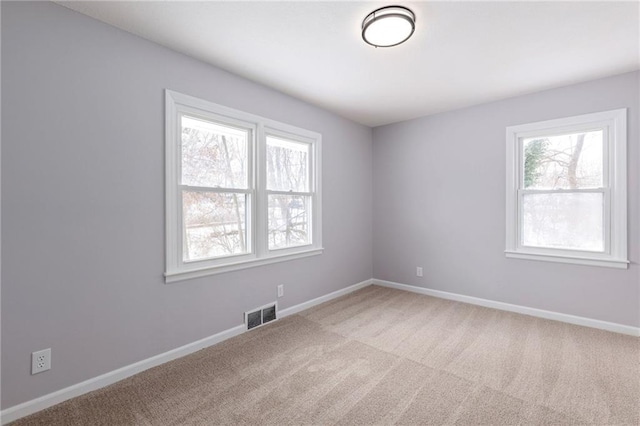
[(568, 221), (215, 224), (564, 162), (288, 221), (214, 155), (287, 165)]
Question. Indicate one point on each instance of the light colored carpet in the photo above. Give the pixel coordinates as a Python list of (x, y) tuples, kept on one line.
[(382, 356)]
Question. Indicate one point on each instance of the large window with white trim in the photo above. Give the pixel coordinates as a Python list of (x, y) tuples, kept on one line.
[(566, 190), (241, 190)]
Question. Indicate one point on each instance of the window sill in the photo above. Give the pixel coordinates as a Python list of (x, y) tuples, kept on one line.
[(576, 260), (187, 274)]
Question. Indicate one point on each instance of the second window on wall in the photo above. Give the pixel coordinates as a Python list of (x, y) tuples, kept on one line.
[(242, 190)]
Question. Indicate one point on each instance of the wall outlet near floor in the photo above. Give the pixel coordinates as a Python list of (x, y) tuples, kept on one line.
[(419, 271), (40, 361), (281, 290)]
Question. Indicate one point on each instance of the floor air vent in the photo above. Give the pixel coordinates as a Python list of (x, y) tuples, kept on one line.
[(261, 316)]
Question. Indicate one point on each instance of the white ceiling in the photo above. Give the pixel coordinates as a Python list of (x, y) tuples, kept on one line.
[(462, 53)]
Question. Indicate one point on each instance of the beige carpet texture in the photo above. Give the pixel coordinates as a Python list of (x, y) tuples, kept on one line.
[(379, 357)]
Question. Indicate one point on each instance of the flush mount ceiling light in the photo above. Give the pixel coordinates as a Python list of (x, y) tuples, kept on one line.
[(388, 26)]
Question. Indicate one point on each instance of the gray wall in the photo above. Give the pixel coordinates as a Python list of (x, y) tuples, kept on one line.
[(439, 203), (83, 201)]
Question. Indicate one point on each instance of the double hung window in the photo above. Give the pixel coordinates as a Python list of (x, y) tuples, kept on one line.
[(566, 190), (241, 190)]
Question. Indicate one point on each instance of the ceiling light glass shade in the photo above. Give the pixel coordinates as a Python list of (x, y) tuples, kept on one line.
[(388, 26)]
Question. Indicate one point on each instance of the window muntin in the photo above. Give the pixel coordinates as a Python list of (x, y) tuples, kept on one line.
[(566, 190), (241, 190)]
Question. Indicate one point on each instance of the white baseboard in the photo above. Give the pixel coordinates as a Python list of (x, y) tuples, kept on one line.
[(318, 300), (556, 316), (26, 408), (21, 410), (46, 401)]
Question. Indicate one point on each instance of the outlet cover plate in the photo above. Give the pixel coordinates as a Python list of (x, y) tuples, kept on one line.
[(40, 361)]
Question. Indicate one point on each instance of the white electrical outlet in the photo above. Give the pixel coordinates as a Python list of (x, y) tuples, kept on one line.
[(281, 290), (40, 361), (419, 271)]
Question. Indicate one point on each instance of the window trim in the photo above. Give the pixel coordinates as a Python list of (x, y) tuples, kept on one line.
[(176, 269), (614, 190)]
